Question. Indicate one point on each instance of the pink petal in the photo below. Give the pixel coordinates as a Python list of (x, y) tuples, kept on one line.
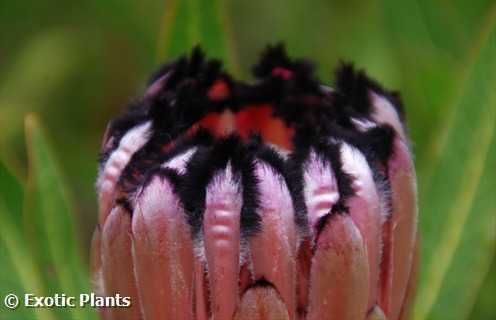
[(117, 264), (201, 306), (273, 250), (320, 188), (385, 113), (221, 238), (339, 275), (412, 284), (400, 230), (365, 210), (304, 264), (162, 253), (131, 142)]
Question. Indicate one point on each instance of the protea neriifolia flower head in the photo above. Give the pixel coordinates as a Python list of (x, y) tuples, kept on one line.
[(281, 199)]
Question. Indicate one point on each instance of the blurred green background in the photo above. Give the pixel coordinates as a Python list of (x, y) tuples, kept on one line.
[(76, 64)]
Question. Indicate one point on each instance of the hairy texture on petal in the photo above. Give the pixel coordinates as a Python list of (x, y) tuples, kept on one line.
[(385, 113), (132, 141), (339, 274), (162, 253), (364, 208), (117, 264), (273, 250), (221, 238), (320, 188), (400, 231), (201, 171)]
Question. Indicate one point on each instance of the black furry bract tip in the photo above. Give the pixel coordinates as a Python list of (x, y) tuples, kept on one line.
[(192, 105)]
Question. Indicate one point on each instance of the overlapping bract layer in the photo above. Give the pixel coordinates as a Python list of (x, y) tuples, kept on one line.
[(282, 199)]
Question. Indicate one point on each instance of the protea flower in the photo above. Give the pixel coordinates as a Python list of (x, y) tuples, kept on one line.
[(281, 199)]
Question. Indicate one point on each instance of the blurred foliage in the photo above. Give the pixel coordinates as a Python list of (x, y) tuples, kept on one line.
[(76, 64)]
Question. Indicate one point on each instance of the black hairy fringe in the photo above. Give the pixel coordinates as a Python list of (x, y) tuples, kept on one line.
[(172, 176), (352, 92), (295, 95), (272, 157), (327, 152), (126, 200), (203, 167), (183, 100), (375, 143), (338, 208), (276, 57), (118, 127), (299, 100), (266, 153), (260, 283), (148, 160), (124, 203), (272, 57), (321, 223)]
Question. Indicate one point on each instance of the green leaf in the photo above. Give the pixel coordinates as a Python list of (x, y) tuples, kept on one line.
[(484, 306), (50, 226), (28, 84), (453, 25), (196, 22), (11, 196), (429, 73), (458, 224), (18, 274)]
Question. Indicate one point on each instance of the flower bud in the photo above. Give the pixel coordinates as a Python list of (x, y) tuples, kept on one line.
[(282, 199)]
